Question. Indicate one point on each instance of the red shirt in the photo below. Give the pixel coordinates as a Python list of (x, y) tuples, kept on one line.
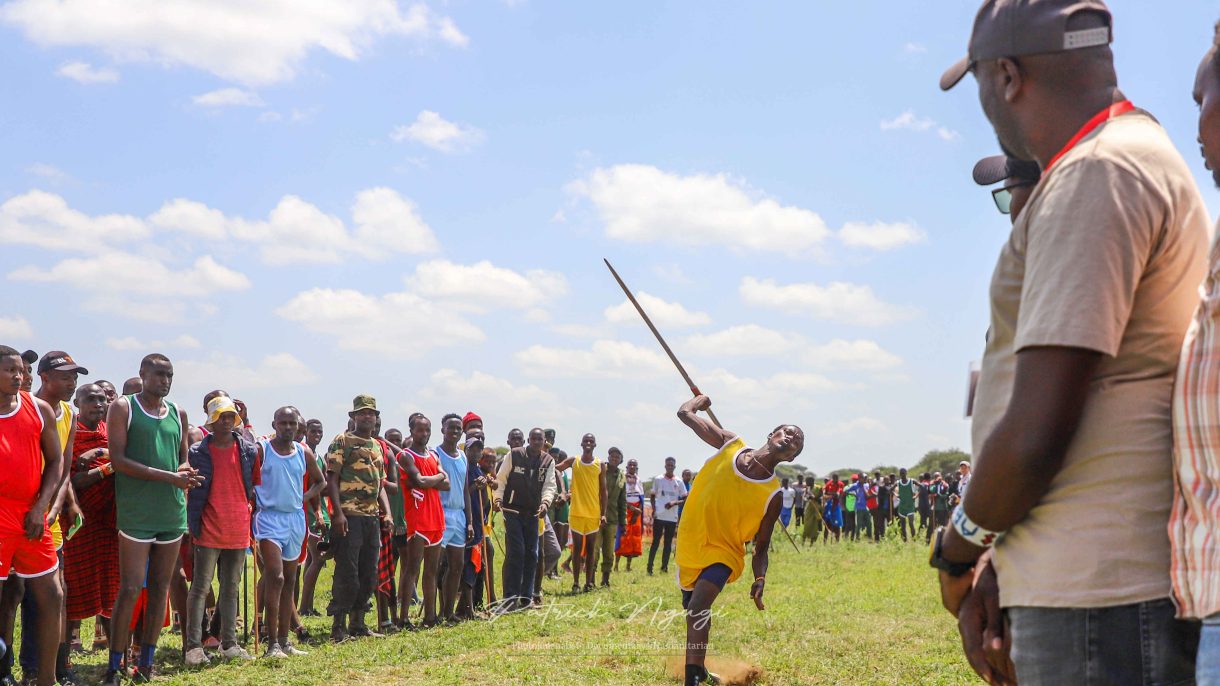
[(21, 463), (226, 517), (422, 509), (832, 488), (871, 501)]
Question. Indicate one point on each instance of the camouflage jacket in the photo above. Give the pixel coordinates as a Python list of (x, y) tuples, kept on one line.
[(361, 467)]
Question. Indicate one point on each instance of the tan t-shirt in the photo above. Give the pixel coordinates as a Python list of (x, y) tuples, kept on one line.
[(1107, 255)]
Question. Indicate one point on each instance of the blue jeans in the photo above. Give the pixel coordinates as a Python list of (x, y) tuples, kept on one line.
[(1207, 668), (520, 556), (1139, 644)]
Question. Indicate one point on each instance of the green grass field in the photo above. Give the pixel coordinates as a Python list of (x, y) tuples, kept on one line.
[(840, 614)]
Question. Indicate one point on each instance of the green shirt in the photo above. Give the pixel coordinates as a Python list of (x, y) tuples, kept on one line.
[(151, 507), (616, 496), (361, 467)]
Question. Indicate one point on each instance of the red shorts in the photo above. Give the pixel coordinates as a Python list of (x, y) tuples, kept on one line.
[(431, 538), (27, 559)]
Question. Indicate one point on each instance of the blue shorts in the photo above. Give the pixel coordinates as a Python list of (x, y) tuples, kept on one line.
[(717, 573), (285, 529), (455, 528), (785, 515)]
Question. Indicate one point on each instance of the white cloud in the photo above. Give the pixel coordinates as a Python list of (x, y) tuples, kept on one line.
[(604, 359), (45, 220), (869, 425), (482, 286), (845, 302), (880, 235), (859, 354), (909, 121), (232, 373), (49, 172), (121, 272), (83, 72), (582, 330), (297, 231), (492, 396), (131, 343), (772, 391), (642, 204), (228, 97), (388, 325), (914, 48), (747, 339), (662, 312), (434, 131), (251, 43), (15, 328), (386, 220)]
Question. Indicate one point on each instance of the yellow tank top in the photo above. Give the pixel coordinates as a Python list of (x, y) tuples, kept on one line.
[(722, 514), (63, 426), (586, 490)]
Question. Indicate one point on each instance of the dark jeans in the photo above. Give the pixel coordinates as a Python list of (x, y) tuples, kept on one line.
[(355, 558), (1140, 644), (907, 522), (659, 529), (206, 561), (520, 556), (864, 525), (880, 517)]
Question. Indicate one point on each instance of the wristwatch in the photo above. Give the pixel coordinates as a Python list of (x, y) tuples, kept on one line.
[(953, 569)]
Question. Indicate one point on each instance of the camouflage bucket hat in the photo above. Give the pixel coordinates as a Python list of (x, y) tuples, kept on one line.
[(364, 402)]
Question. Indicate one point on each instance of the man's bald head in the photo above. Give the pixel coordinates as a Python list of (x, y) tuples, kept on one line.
[(133, 385)]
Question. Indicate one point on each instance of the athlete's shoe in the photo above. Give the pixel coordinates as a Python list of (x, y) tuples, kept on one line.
[(274, 652), (196, 657), (235, 652), (292, 650)]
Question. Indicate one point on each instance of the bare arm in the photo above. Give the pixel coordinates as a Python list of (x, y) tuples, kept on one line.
[(762, 547), (601, 491), (317, 479), (703, 427), (390, 482), (1025, 451)]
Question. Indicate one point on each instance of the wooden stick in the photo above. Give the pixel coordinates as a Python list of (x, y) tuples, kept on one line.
[(256, 599), (672, 358)]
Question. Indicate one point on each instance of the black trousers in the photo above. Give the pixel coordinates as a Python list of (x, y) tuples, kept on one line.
[(662, 529), (355, 557)]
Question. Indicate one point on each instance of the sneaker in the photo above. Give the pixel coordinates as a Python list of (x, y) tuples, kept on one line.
[(365, 632), (292, 650), (274, 651), (196, 657), (235, 652)]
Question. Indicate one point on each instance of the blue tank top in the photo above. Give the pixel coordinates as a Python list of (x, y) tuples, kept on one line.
[(282, 485), (455, 468)]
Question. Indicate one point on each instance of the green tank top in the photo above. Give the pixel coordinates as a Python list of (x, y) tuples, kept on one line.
[(151, 506), (397, 500), (906, 496)]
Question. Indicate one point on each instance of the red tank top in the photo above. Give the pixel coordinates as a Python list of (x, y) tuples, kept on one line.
[(20, 461), (422, 506)]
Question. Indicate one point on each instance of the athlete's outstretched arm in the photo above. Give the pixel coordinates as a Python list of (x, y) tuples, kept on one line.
[(703, 427)]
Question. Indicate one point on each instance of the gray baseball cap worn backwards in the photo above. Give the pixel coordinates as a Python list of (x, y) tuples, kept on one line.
[(1013, 28)]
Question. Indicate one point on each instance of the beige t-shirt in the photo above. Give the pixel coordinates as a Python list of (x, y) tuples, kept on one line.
[(1107, 255)]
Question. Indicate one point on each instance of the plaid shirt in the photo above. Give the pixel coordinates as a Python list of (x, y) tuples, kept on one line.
[(1194, 524)]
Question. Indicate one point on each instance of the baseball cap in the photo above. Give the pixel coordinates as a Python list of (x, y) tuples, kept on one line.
[(364, 402), (60, 361), (1013, 28), (994, 169), (963, 463)]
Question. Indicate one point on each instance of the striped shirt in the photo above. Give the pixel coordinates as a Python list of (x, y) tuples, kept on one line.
[(1194, 524)]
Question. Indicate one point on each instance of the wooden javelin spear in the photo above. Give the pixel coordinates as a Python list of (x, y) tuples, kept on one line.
[(673, 358)]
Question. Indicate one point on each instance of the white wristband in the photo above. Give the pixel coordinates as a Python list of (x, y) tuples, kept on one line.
[(973, 532)]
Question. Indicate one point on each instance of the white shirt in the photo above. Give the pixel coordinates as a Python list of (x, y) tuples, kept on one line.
[(789, 496), (667, 490)]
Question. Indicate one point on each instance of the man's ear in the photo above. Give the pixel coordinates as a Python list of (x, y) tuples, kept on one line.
[(1011, 76)]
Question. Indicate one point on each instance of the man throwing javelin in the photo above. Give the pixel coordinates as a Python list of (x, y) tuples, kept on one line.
[(736, 503)]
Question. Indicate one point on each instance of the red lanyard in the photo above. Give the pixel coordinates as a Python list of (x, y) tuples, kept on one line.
[(1098, 119)]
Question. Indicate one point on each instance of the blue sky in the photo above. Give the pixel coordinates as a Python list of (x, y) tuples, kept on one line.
[(413, 200)]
